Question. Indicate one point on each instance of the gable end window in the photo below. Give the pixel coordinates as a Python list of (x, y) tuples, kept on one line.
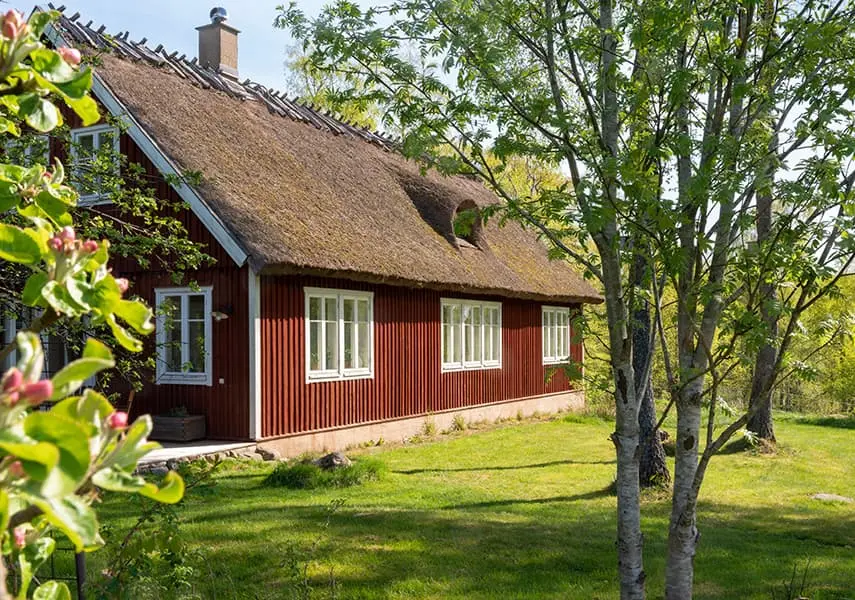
[(471, 334), (87, 167), (184, 336), (339, 334), (556, 335)]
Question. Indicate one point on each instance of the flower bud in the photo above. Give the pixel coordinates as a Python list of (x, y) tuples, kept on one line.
[(117, 420), (13, 24), (38, 391), (70, 55), (123, 284), (19, 537), (12, 380), (55, 243), (12, 398), (90, 246), (16, 469), (67, 234)]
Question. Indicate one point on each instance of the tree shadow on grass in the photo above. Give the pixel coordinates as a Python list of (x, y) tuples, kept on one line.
[(840, 422), (553, 547), (542, 465)]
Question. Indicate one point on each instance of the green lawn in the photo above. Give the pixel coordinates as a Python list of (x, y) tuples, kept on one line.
[(523, 511)]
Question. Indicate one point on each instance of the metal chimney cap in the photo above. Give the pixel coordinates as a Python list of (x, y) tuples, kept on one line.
[(219, 14)]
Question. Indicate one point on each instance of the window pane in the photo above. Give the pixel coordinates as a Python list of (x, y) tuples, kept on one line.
[(172, 341), (315, 309), (364, 346), (497, 340), (447, 342), (363, 311), (315, 346), (348, 309), (196, 306), (86, 144), (457, 336), (476, 334), (331, 306), (349, 342), (331, 339), (196, 331)]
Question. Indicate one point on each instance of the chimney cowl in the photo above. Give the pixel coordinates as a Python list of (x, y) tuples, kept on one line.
[(218, 44)]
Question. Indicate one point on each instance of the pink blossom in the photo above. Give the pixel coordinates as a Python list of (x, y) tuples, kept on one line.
[(13, 24), (38, 391), (67, 234), (12, 380), (12, 398), (16, 469), (123, 284), (70, 55), (118, 420), (20, 537), (55, 243), (90, 246)]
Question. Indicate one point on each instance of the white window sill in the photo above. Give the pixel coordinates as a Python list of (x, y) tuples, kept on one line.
[(338, 376), (93, 200), (183, 379), (556, 361), (453, 368)]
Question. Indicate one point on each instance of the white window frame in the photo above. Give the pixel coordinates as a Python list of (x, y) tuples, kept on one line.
[(183, 377), (555, 358), (340, 373), (463, 364), (29, 150), (97, 130)]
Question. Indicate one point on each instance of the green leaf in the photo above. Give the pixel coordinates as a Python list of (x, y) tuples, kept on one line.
[(136, 314), (171, 489), (61, 300), (38, 458), (31, 559), (32, 294), (96, 349), (71, 376), (133, 446), (50, 66), (40, 114), (52, 590), (73, 517), (4, 510), (128, 341), (91, 407), (71, 437), (54, 208), (86, 108), (31, 357), (17, 246)]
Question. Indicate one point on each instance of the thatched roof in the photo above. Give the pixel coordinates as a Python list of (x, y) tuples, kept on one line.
[(303, 193)]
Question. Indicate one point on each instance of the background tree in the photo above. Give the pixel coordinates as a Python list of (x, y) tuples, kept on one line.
[(661, 115)]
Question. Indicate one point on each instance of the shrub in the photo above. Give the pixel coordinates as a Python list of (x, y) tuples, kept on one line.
[(429, 427), (458, 423), (308, 476)]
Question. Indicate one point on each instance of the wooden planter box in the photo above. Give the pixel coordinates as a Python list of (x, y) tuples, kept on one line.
[(178, 429)]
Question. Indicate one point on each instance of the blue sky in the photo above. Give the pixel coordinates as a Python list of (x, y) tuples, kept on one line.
[(261, 48)]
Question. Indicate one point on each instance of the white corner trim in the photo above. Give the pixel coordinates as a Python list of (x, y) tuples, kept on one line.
[(254, 300), (160, 160)]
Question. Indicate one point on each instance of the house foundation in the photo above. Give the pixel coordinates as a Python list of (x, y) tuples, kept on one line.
[(398, 430)]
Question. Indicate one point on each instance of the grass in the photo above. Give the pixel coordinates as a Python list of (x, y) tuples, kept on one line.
[(523, 511), (305, 475)]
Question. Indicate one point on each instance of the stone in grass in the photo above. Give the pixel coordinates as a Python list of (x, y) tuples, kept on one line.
[(822, 497), (268, 454), (334, 460)]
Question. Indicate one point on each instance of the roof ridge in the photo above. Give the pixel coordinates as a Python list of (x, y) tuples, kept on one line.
[(276, 101)]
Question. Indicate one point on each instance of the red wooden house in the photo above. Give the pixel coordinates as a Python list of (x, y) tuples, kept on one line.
[(344, 304)]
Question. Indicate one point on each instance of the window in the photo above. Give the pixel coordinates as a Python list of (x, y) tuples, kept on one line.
[(184, 336), (339, 334), (28, 150), (89, 168), (471, 335), (556, 334)]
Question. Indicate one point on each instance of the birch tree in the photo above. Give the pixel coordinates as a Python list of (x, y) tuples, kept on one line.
[(674, 122)]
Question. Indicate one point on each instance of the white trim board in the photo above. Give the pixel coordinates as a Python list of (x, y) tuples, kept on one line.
[(254, 301), (160, 160)]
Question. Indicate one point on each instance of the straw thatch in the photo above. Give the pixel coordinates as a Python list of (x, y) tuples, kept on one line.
[(306, 195)]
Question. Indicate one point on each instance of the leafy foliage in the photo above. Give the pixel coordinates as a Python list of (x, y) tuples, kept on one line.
[(56, 462), (306, 475)]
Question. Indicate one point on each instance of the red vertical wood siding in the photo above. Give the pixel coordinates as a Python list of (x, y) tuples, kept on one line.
[(407, 379), (225, 405)]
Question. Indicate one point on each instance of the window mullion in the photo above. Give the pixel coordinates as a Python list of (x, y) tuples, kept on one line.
[(340, 325), (185, 330)]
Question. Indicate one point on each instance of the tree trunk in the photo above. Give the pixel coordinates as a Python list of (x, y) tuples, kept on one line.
[(653, 469), (683, 533)]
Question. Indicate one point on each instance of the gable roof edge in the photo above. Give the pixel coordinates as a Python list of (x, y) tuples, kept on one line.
[(161, 161)]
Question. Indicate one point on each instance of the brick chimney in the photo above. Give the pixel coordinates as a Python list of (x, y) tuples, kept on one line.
[(218, 48)]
